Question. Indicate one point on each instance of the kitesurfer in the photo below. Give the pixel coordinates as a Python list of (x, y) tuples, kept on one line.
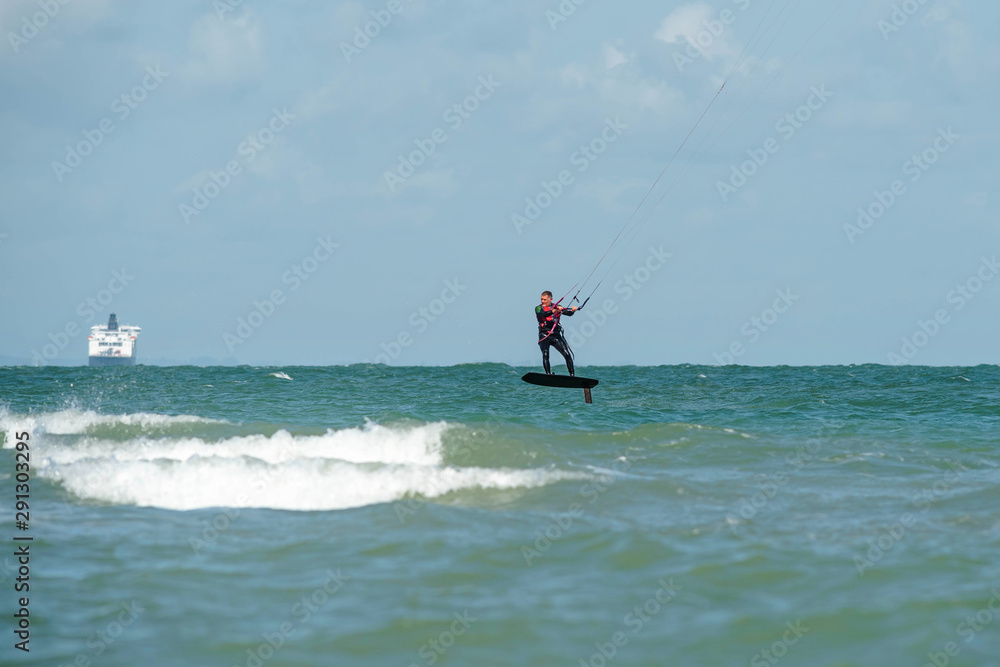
[(550, 333)]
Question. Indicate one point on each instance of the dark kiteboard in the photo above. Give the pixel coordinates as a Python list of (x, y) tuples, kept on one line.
[(563, 382)]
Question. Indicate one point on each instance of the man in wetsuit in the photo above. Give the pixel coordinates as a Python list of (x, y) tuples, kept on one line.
[(550, 333)]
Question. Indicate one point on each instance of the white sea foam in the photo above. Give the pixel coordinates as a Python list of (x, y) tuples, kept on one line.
[(374, 443), (304, 484), (72, 421), (339, 469)]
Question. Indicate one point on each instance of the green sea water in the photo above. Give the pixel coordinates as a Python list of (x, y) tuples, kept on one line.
[(369, 515)]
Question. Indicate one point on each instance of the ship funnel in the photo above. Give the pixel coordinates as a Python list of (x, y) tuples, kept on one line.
[(113, 322)]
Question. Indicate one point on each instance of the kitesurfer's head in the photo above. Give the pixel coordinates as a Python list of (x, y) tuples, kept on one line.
[(546, 298)]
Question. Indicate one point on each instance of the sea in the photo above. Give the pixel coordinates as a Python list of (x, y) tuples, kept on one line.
[(377, 515)]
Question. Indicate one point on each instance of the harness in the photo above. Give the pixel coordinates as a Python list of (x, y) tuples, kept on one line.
[(554, 317)]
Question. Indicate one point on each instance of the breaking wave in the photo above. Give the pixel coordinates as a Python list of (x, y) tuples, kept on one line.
[(339, 469)]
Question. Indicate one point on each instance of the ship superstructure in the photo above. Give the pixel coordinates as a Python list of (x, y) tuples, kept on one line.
[(112, 344)]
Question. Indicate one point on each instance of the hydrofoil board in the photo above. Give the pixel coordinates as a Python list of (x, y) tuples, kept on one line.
[(563, 381)]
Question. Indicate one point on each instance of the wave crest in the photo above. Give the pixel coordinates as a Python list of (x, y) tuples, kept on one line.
[(339, 469)]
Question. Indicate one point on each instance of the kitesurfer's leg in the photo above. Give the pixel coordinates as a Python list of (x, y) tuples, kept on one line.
[(563, 348), (544, 345)]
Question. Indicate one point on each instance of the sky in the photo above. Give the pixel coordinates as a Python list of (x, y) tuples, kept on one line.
[(396, 181)]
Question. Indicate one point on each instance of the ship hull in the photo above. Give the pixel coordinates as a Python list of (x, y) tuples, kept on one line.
[(112, 361)]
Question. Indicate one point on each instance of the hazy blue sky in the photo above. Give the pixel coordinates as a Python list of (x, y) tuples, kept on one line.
[(153, 101)]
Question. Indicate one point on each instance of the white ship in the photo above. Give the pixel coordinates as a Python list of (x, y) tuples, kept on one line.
[(112, 345)]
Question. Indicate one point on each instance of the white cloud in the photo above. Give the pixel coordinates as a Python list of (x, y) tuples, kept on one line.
[(871, 114), (976, 200), (185, 187), (684, 22), (224, 51), (687, 25), (574, 75), (958, 49), (625, 87), (74, 19), (613, 57), (440, 182), (320, 101), (315, 185), (82, 13), (606, 191)]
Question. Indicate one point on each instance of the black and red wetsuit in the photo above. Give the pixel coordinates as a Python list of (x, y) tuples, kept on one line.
[(550, 334)]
